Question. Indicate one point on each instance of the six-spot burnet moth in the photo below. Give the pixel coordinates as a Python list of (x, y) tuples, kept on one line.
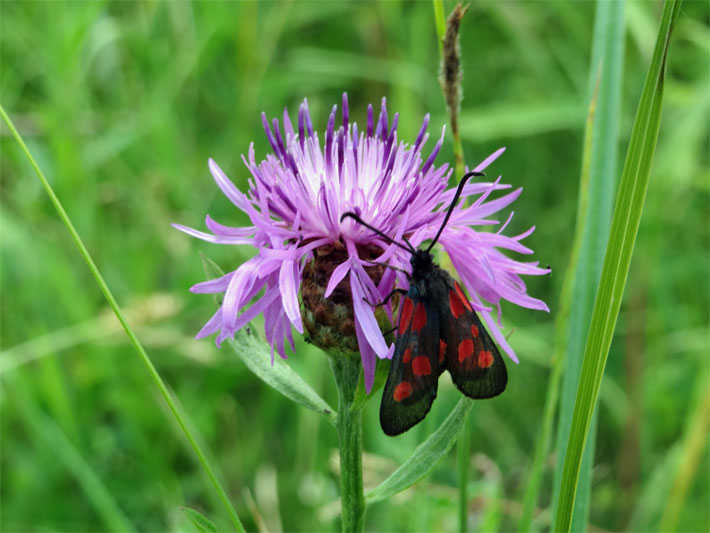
[(437, 330)]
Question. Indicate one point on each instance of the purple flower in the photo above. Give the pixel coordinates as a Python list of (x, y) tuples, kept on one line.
[(295, 200)]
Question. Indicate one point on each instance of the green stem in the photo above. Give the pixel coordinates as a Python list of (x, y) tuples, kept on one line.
[(463, 451), (347, 370), (129, 331)]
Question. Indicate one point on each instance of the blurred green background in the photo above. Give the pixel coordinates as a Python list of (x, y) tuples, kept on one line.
[(122, 104)]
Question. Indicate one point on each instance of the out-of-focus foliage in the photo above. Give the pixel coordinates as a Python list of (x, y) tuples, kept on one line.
[(122, 104)]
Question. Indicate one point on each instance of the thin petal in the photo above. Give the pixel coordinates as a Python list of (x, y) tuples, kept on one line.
[(488, 160), (289, 283), (336, 277), (216, 239), (212, 326), (213, 286), (367, 355), (366, 317), (227, 187)]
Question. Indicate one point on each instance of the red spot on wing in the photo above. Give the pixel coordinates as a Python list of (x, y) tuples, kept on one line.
[(474, 330), (455, 304), (407, 355), (402, 391), (419, 320), (442, 350), (485, 359), (421, 366), (461, 294), (465, 349), (405, 316)]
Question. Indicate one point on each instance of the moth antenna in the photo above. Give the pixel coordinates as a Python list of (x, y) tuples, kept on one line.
[(459, 189), (357, 219)]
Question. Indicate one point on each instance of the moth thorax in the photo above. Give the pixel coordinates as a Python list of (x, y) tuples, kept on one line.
[(422, 262), (329, 322)]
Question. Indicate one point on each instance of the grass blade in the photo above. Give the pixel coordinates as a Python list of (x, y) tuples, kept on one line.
[(200, 521), (129, 331), (595, 204), (532, 490), (625, 223)]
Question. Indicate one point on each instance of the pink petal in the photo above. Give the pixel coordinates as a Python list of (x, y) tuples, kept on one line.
[(289, 283), (217, 239), (227, 187), (488, 160), (212, 286), (336, 277), (367, 355)]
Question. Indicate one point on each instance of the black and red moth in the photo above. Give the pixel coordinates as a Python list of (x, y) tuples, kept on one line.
[(437, 330)]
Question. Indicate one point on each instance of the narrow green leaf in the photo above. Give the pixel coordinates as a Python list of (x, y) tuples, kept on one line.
[(439, 22), (212, 269), (595, 205), (256, 355), (532, 490), (165, 393), (199, 520), (624, 228), (381, 370), (425, 457)]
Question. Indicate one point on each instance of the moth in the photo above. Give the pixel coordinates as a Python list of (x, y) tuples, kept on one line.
[(437, 330)]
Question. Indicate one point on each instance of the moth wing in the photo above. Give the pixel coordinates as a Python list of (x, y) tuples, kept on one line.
[(413, 377), (472, 358)]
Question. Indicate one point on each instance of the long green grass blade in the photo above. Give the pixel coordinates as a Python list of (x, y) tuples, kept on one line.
[(594, 208), (624, 228), (129, 331), (440, 22), (542, 446)]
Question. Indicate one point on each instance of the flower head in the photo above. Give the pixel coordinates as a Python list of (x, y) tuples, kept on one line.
[(295, 201)]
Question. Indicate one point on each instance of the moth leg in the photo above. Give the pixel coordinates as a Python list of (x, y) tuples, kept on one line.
[(389, 266), (384, 302)]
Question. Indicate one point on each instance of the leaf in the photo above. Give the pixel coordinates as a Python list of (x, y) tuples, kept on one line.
[(624, 228), (381, 370), (425, 457), (256, 355), (212, 271), (199, 520), (595, 206)]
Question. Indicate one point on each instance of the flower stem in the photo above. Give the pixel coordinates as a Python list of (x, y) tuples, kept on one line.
[(347, 372), (463, 451)]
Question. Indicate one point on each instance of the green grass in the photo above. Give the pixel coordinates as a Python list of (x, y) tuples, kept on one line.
[(122, 103)]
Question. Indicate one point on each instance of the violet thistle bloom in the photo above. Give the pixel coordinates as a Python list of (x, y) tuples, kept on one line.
[(295, 200)]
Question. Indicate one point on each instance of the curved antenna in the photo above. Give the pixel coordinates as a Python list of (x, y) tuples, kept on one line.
[(357, 219), (451, 207)]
